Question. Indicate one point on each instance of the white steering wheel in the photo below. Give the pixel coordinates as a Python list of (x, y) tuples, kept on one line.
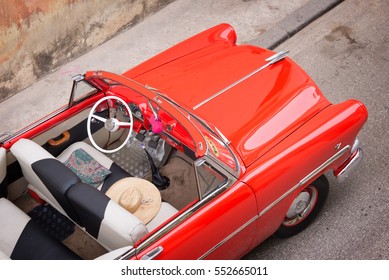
[(111, 124)]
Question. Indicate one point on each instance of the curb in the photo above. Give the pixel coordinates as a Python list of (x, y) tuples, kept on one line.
[(293, 23)]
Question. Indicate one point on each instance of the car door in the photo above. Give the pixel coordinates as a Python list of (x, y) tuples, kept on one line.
[(221, 225)]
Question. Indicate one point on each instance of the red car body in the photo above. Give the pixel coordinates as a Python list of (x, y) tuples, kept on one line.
[(275, 134)]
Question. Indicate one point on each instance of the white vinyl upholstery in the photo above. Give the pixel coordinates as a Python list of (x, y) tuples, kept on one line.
[(119, 227), (165, 212), (3, 256), (12, 223), (27, 152)]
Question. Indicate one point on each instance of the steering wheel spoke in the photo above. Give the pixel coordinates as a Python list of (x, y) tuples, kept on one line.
[(123, 123), (111, 124), (99, 118)]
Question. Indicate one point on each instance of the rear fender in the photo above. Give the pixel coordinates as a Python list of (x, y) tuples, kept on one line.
[(323, 143)]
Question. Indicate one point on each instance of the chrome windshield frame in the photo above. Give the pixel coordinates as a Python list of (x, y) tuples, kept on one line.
[(208, 127)]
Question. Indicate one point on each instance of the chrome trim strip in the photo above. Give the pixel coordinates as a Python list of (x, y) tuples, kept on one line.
[(356, 146), (152, 254), (198, 163), (277, 57), (253, 219), (188, 213), (356, 159), (271, 60), (127, 255), (305, 180), (178, 220), (327, 163), (5, 136)]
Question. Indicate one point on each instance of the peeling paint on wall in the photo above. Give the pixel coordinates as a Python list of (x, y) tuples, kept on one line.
[(38, 36)]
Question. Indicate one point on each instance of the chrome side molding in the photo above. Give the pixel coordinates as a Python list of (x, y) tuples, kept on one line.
[(270, 60)]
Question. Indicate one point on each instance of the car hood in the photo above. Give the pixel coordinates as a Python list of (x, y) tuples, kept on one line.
[(255, 114)]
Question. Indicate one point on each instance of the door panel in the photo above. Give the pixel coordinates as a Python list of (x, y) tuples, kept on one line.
[(222, 229), (76, 127)]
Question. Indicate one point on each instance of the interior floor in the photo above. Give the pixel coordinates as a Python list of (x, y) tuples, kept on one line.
[(181, 191), (173, 164)]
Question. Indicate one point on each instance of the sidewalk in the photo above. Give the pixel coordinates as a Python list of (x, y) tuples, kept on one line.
[(261, 22)]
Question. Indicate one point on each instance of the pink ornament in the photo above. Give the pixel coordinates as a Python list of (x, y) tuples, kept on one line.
[(156, 125)]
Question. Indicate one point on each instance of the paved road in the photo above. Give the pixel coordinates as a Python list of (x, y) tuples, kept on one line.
[(346, 52)]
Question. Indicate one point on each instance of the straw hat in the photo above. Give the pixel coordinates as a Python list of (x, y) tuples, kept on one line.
[(138, 196)]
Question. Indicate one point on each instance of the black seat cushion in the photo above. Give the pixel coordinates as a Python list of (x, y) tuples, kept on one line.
[(117, 173), (90, 205), (58, 179)]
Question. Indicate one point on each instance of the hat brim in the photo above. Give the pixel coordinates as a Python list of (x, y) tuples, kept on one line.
[(151, 197)]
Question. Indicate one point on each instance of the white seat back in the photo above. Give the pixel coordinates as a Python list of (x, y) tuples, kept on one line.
[(27, 152), (12, 224), (120, 228)]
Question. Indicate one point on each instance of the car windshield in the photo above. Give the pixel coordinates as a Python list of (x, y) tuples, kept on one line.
[(217, 143)]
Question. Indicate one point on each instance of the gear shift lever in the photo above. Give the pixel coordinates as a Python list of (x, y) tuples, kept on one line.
[(161, 182)]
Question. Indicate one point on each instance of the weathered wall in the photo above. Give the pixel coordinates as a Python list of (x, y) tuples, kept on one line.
[(36, 36)]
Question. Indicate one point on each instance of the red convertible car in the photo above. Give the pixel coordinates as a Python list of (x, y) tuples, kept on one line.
[(201, 152)]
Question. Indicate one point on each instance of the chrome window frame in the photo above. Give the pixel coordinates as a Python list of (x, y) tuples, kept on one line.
[(77, 79)]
